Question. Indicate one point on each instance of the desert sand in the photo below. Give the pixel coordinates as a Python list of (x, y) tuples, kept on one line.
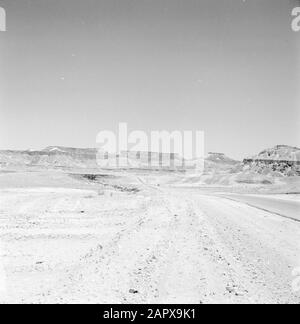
[(136, 237)]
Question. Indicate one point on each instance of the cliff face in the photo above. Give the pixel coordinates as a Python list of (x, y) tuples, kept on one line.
[(282, 160), (279, 152), (270, 167)]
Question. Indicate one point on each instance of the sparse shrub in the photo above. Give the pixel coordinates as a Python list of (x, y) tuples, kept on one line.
[(266, 182), (91, 177)]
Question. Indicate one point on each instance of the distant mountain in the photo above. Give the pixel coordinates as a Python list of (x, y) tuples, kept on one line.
[(54, 156), (91, 152), (280, 161), (69, 157), (220, 158), (219, 162)]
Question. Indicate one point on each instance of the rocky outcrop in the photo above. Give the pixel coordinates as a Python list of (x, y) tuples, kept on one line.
[(265, 166), (282, 160)]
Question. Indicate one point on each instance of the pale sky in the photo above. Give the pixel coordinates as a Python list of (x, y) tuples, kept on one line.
[(71, 68)]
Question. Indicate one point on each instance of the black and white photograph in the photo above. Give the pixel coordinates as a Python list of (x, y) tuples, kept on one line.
[(149, 154)]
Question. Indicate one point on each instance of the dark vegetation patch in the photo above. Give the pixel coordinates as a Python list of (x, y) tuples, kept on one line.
[(92, 177), (103, 180), (264, 182), (126, 189), (96, 177)]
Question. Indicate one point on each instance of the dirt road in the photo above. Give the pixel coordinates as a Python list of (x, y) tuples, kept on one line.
[(160, 246)]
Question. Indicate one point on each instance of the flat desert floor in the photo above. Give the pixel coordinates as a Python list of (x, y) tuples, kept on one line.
[(122, 238)]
